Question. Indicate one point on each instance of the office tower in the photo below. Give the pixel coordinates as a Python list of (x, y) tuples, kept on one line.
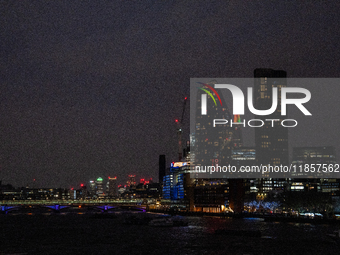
[(211, 196), (131, 181), (162, 167), (167, 186), (316, 157), (113, 187), (246, 156), (82, 192), (99, 187), (92, 189), (212, 144), (178, 186), (271, 143), (271, 140), (73, 194)]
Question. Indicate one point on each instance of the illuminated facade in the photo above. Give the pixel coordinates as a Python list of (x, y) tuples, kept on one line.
[(213, 145), (131, 183), (211, 196), (271, 142), (99, 188), (92, 189), (8, 192), (245, 156), (314, 155), (177, 185)]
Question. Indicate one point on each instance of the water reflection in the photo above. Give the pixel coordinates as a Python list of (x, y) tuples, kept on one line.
[(67, 232)]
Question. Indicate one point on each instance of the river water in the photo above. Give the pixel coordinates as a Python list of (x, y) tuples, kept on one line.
[(80, 234)]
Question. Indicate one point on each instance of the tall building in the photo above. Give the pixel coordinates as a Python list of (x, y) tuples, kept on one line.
[(113, 187), (99, 188), (131, 183), (271, 143), (212, 144), (314, 155), (271, 140), (178, 186), (317, 156), (244, 156), (92, 189), (212, 196)]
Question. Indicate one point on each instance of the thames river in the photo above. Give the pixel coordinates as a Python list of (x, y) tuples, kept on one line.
[(73, 233)]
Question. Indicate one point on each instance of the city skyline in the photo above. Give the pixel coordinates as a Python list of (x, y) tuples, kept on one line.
[(94, 89)]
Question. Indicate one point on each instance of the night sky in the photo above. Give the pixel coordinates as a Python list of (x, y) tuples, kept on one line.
[(92, 88)]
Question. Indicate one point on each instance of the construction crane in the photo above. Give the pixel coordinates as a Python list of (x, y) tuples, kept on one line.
[(179, 131)]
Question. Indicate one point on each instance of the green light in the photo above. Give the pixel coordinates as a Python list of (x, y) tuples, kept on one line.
[(100, 179)]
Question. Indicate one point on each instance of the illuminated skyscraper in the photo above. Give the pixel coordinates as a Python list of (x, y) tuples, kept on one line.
[(271, 143), (131, 181), (92, 189), (99, 188), (315, 157), (212, 144)]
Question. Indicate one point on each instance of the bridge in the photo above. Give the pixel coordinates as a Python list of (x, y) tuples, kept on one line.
[(105, 205)]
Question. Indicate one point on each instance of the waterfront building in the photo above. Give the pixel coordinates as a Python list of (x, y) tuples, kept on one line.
[(211, 196), (244, 156), (318, 156), (178, 186)]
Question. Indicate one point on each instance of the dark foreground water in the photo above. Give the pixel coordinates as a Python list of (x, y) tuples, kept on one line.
[(81, 234)]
